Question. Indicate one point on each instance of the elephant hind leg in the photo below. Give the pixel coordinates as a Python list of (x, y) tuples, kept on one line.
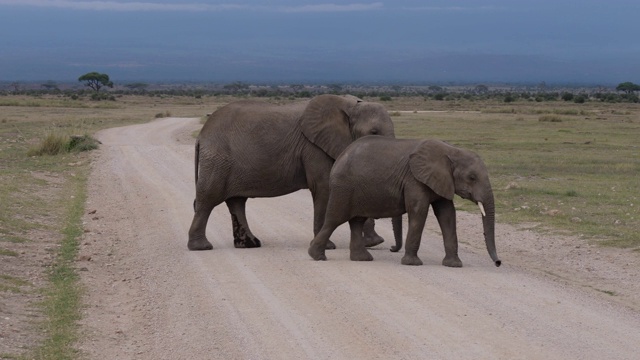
[(242, 235), (371, 237), (197, 231), (357, 246)]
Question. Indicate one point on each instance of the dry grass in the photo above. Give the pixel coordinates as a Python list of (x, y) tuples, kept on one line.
[(577, 175)]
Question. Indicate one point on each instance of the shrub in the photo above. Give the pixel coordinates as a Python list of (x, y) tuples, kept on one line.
[(567, 96), (163, 114), (385, 98), (550, 118), (79, 143), (55, 144)]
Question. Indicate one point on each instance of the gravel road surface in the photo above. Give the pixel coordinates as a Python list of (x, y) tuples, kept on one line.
[(148, 297)]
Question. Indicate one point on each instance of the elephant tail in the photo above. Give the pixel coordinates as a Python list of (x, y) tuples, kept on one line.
[(197, 158), (196, 161)]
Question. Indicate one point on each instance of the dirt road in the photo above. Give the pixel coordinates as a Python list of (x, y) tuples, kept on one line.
[(148, 297)]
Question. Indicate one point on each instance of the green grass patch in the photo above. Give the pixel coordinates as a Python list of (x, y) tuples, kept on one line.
[(5, 252), (13, 239), (12, 284), (63, 296)]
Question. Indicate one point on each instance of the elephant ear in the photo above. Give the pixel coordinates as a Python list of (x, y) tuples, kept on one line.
[(325, 122), (432, 167)]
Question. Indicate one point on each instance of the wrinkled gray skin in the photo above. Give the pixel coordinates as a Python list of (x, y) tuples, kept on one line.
[(255, 149), (379, 177)]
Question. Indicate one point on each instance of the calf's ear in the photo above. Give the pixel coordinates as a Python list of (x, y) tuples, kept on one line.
[(430, 165)]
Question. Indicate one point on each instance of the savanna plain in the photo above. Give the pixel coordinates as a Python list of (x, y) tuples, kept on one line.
[(565, 178)]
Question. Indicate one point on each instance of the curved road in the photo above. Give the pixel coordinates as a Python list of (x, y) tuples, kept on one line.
[(148, 297)]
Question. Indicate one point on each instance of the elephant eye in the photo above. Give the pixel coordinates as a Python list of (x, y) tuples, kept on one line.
[(473, 177), (374, 131)]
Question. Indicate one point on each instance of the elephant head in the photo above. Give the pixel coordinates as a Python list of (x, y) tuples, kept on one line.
[(332, 122), (447, 171)]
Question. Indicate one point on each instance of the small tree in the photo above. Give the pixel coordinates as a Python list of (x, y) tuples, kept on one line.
[(567, 96), (481, 89), (628, 87), (96, 80)]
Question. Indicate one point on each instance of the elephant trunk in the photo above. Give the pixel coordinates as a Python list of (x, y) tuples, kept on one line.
[(396, 222), (489, 224)]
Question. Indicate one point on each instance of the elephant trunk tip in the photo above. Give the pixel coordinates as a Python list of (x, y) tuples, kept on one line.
[(498, 263)]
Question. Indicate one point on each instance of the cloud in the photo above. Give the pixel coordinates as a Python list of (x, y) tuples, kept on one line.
[(453, 8), (188, 7), (333, 7)]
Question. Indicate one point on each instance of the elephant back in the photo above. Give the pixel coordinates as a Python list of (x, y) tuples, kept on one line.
[(242, 121)]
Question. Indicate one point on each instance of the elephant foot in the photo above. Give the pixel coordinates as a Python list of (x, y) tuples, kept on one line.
[(316, 252), (199, 244), (330, 245), (360, 256), (411, 260), (452, 261), (373, 240), (246, 243), (242, 237)]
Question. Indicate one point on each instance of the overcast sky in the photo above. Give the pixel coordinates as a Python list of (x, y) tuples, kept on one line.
[(556, 41)]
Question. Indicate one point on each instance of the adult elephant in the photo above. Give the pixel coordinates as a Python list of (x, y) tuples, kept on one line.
[(379, 177), (255, 149)]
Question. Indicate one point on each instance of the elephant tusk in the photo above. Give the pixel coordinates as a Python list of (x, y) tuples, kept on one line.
[(482, 209)]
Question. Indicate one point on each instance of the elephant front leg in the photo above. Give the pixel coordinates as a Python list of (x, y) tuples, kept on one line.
[(357, 246), (445, 212), (414, 237), (319, 209), (242, 236), (319, 243), (371, 238)]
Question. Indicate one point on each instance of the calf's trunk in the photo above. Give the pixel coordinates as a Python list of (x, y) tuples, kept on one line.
[(489, 225)]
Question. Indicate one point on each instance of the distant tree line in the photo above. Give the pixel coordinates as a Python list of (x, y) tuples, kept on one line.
[(94, 82)]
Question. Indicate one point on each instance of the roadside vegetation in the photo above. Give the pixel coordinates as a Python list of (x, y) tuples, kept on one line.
[(558, 165), (44, 164)]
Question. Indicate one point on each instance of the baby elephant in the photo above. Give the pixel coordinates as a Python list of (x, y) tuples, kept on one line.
[(382, 177)]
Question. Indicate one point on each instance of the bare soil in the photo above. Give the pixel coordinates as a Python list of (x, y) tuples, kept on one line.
[(148, 297)]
